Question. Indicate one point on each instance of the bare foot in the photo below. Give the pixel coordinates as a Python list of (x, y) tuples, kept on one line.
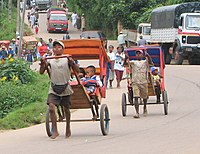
[(68, 133), (136, 116), (145, 112), (54, 135)]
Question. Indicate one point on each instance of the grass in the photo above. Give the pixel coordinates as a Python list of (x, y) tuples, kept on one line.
[(33, 111)]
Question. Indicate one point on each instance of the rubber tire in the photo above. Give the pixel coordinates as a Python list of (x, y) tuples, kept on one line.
[(48, 125), (104, 119), (124, 108), (178, 61), (193, 61), (165, 102)]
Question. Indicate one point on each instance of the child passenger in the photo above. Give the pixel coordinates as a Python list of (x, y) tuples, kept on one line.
[(157, 81), (139, 79), (91, 81)]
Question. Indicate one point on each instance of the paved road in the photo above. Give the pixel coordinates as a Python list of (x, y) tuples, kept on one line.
[(175, 133)]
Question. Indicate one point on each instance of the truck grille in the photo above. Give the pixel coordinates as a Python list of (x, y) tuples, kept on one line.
[(193, 39)]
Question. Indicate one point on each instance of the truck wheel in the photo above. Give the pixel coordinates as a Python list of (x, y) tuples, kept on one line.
[(178, 57), (193, 61)]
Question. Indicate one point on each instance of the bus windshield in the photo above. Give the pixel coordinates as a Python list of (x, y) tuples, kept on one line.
[(146, 30)]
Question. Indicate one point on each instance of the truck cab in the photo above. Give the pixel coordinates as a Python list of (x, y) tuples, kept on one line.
[(188, 38), (43, 4), (144, 29)]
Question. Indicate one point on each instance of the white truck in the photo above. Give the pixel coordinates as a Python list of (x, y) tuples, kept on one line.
[(177, 29), (133, 36)]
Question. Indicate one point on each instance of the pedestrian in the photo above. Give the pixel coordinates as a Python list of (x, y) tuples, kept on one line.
[(32, 20), (59, 73), (3, 52), (121, 39), (83, 22), (50, 44), (29, 56), (43, 49), (36, 26), (110, 66), (142, 41), (13, 45), (118, 65), (139, 79), (11, 52), (78, 22), (74, 18), (28, 17), (66, 36)]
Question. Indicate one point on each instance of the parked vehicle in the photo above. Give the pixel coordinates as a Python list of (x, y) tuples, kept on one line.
[(29, 42), (54, 9), (177, 29), (133, 36), (95, 34), (43, 4), (57, 21), (5, 42)]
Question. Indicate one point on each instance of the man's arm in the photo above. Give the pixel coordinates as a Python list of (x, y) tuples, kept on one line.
[(150, 62), (43, 66), (74, 66)]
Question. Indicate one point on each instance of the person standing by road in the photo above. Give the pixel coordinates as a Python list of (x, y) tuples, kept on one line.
[(32, 20), (83, 22), (59, 72), (78, 22), (74, 18), (110, 66), (118, 65), (142, 41), (121, 39)]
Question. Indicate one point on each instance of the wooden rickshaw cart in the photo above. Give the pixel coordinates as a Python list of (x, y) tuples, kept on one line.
[(29, 43), (86, 49), (157, 57)]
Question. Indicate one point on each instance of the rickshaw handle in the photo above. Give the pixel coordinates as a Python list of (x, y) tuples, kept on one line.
[(64, 56)]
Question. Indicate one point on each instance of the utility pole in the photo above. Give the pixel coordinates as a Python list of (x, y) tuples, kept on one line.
[(18, 18), (9, 10), (2, 5), (22, 28)]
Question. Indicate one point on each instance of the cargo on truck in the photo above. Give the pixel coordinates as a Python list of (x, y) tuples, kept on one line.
[(177, 29)]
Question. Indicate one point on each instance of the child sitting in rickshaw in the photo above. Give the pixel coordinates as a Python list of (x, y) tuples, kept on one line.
[(91, 81), (157, 82)]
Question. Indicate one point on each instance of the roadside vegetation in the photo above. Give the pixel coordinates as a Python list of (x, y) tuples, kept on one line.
[(23, 95), (110, 13)]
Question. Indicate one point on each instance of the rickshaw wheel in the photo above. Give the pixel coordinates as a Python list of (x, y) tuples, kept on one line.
[(104, 119), (165, 100), (49, 129), (123, 104)]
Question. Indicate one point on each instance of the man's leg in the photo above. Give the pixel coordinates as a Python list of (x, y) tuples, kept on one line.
[(145, 107), (68, 116), (136, 108), (144, 95), (52, 110)]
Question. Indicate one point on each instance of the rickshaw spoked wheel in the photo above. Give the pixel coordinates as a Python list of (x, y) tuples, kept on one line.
[(123, 105), (48, 124), (104, 119), (165, 102)]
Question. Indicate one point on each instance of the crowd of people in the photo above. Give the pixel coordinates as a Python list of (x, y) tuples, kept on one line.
[(78, 21)]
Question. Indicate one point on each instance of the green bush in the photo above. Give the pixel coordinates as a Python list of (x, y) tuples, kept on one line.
[(14, 70), (15, 96)]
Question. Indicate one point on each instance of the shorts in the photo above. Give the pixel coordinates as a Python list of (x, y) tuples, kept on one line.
[(119, 75), (140, 90), (59, 100)]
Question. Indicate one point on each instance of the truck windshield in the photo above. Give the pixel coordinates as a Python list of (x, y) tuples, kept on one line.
[(147, 30), (192, 22), (59, 17)]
